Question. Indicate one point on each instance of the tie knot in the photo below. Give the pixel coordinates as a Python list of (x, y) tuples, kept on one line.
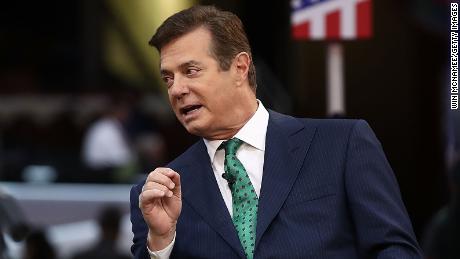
[(231, 146)]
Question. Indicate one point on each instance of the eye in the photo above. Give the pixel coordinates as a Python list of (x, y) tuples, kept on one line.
[(168, 80), (191, 71)]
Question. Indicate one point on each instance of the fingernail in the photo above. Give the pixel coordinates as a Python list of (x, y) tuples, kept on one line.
[(172, 185)]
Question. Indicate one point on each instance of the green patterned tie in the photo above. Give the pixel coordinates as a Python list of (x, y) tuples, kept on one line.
[(244, 197)]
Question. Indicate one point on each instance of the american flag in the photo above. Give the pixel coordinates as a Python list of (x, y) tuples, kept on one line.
[(331, 19)]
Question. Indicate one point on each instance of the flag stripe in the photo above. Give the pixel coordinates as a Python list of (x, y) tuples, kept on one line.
[(331, 19), (348, 20), (318, 30), (333, 25), (364, 19), (301, 31)]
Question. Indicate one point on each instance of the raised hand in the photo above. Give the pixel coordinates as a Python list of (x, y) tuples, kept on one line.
[(160, 202)]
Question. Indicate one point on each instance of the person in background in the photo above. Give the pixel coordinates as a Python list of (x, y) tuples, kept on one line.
[(107, 151), (442, 237), (106, 247), (37, 246), (13, 223)]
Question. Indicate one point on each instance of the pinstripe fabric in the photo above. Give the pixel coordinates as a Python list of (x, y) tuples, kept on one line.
[(327, 192)]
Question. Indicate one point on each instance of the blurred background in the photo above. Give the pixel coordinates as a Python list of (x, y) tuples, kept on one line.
[(84, 115)]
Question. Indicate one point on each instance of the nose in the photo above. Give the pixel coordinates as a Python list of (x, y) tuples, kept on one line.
[(179, 88)]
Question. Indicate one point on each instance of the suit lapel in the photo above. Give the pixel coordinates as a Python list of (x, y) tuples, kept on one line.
[(201, 191), (286, 146)]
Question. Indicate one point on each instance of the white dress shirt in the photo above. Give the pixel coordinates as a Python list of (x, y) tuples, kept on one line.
[(105, 145), (251, 154)]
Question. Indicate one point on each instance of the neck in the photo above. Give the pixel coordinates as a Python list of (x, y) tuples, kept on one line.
[(244, 114)]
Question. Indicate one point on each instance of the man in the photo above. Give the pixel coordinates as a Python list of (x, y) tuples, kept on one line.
[(109, 220), (106, 150), (259, 184)]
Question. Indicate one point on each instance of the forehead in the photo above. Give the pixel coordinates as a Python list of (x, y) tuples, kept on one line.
[(193, 46)]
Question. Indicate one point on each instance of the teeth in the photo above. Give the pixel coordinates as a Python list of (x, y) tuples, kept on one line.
[(190, 109)]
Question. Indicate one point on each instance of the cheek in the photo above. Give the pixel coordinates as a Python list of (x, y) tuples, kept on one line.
[(221, 97), (173, 105)]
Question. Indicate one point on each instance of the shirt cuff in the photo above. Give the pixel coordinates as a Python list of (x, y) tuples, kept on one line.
[(163, 253)]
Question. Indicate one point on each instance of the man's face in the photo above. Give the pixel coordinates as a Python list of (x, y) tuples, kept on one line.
[(203, 97)]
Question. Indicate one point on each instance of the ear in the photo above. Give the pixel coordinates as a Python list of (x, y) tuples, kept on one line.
[(241, 64)]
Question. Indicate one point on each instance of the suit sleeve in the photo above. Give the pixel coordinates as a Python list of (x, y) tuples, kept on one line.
[(139, 228), (382, 225)]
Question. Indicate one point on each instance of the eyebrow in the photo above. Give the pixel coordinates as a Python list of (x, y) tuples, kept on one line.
[(182, 66)]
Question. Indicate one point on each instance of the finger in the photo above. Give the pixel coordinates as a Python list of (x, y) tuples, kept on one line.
[(162, 176), (159, 170), (175, 177), (163, 170), (149, 196), (157, 186)]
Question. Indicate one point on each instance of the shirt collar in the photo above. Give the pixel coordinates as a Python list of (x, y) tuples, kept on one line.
[(252, 133)]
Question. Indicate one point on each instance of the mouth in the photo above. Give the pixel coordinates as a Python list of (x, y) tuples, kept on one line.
[(189, 109)]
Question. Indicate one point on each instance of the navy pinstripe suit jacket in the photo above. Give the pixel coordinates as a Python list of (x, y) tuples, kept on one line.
[(327, 192)]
